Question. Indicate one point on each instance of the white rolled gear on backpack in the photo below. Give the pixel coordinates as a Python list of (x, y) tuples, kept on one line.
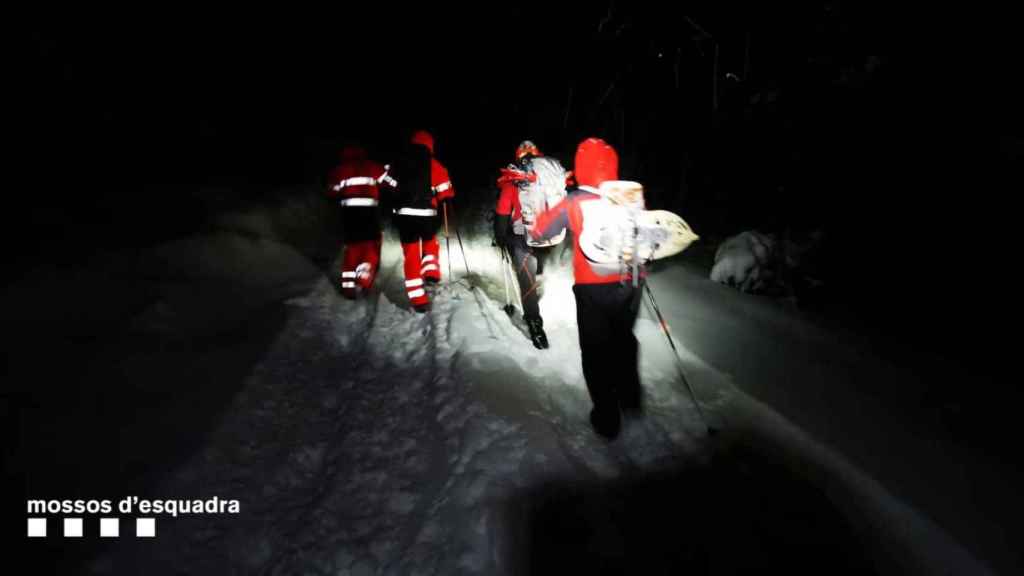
[(620, 231), (547, 190)]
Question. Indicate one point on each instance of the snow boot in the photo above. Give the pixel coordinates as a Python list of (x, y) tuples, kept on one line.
[(537, 335)]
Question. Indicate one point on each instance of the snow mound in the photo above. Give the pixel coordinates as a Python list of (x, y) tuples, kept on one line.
[(746, 261), (756, 262)]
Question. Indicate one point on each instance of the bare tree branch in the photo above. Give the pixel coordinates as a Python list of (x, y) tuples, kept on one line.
[(608, 16), (607, 93), (696, 44), (697, 27)]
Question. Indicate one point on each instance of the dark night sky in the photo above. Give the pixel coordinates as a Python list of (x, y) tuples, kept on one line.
[(269, 80), (128, 116), (263, 85)]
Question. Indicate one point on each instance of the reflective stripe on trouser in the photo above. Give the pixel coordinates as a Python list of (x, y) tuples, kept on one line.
[(430, 263), (359, 265), (413, 278), (348, 280), (428, 266)]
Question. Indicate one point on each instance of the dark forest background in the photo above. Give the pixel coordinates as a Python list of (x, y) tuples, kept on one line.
[(896, 133)]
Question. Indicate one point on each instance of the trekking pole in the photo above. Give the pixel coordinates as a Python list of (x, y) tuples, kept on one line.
[(509, 309), (679, 362), (447, 241), (459, 237)]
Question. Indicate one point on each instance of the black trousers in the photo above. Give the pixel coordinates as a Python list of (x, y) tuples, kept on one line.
[(605, 314), (528, 262)]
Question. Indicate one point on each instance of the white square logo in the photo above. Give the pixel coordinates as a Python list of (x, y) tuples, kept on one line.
[(72, 527), (37, 527), (110, 528), (145, 527)]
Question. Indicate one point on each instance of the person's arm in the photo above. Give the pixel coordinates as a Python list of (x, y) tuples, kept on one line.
[(334, 183), (441, 182), (384, 178), (551, 222), (503, 213)]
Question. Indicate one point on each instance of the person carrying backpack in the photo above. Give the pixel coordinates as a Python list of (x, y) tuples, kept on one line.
[(354, 185), (607, 298), (422, 185), (510, 235)]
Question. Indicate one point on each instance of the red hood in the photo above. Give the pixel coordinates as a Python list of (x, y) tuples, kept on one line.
[(425, 138), (596, 162)]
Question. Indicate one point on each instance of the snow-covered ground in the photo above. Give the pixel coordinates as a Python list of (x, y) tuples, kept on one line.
[(367, 439), (371, 438)]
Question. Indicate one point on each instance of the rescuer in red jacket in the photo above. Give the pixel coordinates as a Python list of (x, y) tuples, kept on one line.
[(422, 186), (354, 185), (607, 303), (510, 234)]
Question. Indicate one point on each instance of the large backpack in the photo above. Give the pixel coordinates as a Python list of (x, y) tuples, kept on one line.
[(541, 194), (411, 170), (618, 233)]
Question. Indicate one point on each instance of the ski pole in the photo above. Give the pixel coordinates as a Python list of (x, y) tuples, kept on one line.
[(463, 249), (504, 277), (679, 362), (447, 241)]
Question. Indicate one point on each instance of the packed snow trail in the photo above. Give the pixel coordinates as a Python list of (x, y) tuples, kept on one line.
[(371, 439), (361, 437)]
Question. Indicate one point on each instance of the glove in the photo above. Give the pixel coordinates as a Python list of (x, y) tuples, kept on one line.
[(503, 242)]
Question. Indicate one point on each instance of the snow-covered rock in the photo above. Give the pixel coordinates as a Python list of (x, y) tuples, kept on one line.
[(756, 262), (748, 261)]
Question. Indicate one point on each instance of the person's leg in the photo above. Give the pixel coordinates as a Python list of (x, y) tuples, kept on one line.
[(409, 235), (541, 256), (362, 248), (349, 261), (597, 357), (627, 368), (430, 265), (526, 266), (365, 277)]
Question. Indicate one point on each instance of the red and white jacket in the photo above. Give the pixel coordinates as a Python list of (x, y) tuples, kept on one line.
[(508, 200), (569, 214), (508, 185), (356, 181), (440, 181), (595, 162)]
